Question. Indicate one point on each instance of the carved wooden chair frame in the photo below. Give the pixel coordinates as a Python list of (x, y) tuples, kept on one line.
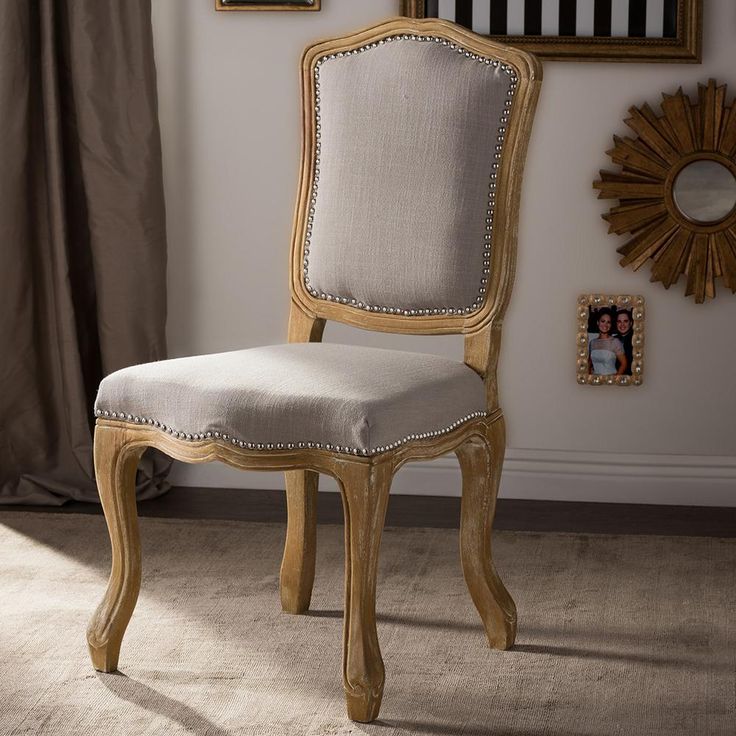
[(364, 481)]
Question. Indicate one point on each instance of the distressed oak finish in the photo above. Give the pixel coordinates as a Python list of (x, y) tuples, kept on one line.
[(116, 460), (300, 550), (685, 132), (364, 481), (481, 458), (686, 48)]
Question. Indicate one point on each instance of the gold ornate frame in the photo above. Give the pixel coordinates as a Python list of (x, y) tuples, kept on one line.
[(685, 48), (314, 5), (685, 132), (636, 304), (364, 481)]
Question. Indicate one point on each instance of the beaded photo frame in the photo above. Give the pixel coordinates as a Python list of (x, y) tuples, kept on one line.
[(610, 340)]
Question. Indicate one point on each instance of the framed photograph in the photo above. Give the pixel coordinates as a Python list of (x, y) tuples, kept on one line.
[(267, 4), (580, 30), (610, 340)]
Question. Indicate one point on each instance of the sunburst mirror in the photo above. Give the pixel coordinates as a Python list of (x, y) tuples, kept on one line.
[(677, 190)]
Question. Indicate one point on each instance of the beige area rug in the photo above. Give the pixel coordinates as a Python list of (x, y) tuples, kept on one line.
[(618, 635)]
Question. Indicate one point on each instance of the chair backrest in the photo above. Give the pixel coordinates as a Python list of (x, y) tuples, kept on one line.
[(415, 134)]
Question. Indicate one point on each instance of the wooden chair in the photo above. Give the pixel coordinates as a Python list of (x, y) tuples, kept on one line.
[(414, 138)]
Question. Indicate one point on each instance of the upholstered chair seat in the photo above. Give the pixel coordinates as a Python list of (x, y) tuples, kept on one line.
[(349, 399)]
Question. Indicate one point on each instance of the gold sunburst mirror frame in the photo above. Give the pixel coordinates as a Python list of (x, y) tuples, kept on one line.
[(677, 190)]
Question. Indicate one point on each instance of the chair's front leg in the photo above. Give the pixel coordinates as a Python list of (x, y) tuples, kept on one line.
[(365, 489), (297, 565), (115, 467), (481, 459)]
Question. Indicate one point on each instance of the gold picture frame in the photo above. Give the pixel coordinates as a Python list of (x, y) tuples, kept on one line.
[(684, 48), (625, 357), (261, 5)]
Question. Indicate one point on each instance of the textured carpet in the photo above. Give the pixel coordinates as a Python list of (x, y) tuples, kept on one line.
[(617, 635)]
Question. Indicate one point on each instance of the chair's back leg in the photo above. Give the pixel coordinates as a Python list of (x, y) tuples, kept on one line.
[(115, 467), (297, 565), (365, 490), (481, 459)]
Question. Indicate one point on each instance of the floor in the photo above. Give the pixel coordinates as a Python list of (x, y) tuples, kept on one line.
[(618, 634)]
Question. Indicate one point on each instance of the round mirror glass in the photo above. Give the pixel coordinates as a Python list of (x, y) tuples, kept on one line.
[(705, 192)]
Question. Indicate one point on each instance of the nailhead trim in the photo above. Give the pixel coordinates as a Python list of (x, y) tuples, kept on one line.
[(488, 237), (343, 449)]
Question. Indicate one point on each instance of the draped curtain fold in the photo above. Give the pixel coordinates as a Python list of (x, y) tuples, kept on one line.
[(82, 234)]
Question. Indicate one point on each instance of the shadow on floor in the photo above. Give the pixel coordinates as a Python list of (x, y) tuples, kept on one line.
[(420, 623), (145, 697)]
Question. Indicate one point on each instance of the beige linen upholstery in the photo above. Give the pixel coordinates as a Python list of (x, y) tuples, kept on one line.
[(410, 136), (351, 399)]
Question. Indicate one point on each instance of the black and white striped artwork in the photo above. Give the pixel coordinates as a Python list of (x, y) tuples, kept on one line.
[(579, 18)]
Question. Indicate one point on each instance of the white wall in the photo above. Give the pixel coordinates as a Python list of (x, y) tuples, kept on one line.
[(229, 109)]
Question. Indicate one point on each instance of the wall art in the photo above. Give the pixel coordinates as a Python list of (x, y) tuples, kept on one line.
[(676, 190), (580, 30), (267, 4), (610, 340)]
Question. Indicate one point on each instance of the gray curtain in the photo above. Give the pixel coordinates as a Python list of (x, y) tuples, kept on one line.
[(82, 234)]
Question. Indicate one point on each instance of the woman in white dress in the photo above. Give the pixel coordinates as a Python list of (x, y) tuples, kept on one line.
[(607, 356)]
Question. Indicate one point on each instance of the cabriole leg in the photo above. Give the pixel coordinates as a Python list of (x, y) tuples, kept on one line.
[(297, 565), (481, 459), (365, 490), (115, 468)]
